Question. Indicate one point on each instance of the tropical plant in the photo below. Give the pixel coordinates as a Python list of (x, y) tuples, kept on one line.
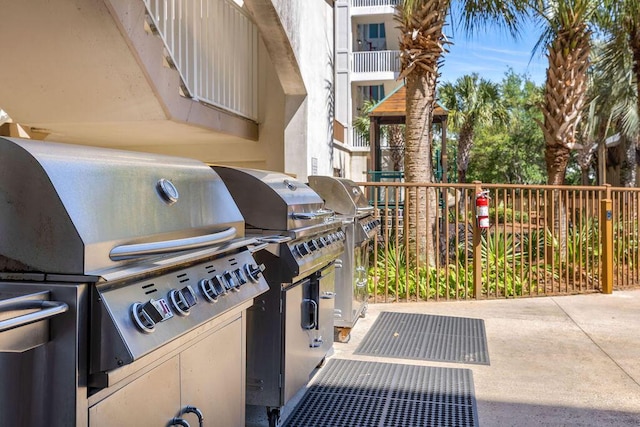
[(621, 20), (422, 43), (472, 102), (613, 109)]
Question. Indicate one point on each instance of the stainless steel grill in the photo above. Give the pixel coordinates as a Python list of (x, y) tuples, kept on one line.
[(360, 225), (289, 328), (121, 274)]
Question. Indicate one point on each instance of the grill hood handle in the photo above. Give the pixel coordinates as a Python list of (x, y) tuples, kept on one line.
[(365, 209), (167, 246), (312, 215)]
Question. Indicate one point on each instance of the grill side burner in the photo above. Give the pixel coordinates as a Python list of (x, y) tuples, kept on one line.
[(346, 198), (124, 283), (290, 327)]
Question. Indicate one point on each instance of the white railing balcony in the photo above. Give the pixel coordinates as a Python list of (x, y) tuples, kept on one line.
[(373, 7), (358, 140), (377, 61), (374, 3), (214, 47)]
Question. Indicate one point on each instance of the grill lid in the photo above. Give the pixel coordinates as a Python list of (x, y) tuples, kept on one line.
[(341, 195), (272, 200), (74, 209)]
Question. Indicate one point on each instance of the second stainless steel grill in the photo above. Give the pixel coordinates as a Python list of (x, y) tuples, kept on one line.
[(347, 199), (290, 328)]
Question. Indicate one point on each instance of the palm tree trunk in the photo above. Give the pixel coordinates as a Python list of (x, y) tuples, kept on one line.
[(565, 91), (396, 142), (418, 167), (464, 151)]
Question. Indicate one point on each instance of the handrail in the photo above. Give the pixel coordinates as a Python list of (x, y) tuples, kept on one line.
[(166, 246), (312, 215), (48, 309)]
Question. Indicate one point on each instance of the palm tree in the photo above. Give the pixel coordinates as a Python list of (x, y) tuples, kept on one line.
[(612, 108), (567, 38), (472, 101), (621, 63), (422, 44), (621, 20)]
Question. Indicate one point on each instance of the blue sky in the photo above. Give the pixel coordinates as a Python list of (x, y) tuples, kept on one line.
[(491, 53)]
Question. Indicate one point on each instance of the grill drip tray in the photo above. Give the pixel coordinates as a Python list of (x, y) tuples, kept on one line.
[(350, 393)]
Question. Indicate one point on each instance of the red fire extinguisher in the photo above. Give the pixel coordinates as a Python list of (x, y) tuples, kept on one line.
[(482, 209)]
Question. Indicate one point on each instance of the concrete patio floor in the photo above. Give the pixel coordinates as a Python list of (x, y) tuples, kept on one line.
[(554, 361)]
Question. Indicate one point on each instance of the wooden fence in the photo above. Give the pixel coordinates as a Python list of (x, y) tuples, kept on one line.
[(542, 240)]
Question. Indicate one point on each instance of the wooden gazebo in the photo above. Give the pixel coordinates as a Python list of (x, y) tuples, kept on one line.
[(392, 111)]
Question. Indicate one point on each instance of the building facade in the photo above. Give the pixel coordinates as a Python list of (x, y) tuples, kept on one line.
[(367, 65), (245, 83)]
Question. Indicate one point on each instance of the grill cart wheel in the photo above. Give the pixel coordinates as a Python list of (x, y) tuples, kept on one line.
[(342, 335)]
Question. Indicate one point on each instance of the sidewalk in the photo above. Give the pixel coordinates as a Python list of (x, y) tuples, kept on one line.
[(555, 361)]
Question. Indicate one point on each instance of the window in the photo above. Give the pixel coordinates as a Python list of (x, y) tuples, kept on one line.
[(376, 92), (376, 31)]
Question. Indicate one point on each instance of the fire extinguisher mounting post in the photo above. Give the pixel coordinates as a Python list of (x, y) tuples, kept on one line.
[(477, 250)]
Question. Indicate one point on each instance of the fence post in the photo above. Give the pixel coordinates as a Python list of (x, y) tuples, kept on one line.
[(477, 246), (606, 230)]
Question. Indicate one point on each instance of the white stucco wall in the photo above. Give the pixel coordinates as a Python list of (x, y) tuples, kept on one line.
[(308, 133)]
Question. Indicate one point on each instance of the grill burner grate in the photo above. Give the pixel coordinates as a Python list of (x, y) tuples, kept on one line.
[(358, 393)]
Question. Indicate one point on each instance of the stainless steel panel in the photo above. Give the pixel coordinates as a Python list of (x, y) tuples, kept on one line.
[(212, 374), (341, 195), (271, 200), (351, 281), (47, 384), (302, 351), (64, 207), (121, 341), (207, 374), (327, 293), (151, 400), (265, 346)]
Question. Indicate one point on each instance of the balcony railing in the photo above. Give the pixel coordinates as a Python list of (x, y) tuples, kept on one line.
[(358, 140), (214, 47), (377, 61), (373, 3)]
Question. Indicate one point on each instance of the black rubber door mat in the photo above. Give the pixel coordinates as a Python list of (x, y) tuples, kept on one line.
[(352, 393), (426, 337)]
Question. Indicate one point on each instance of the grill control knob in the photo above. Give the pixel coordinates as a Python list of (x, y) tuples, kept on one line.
[(212, 288), (322, 242), (143, 320), (254, 271), (230, 282), (182, 300), (302, 249), (241, 277), (147, 315), (313, 245)]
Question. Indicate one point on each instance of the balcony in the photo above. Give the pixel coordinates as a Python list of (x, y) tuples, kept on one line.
[(358, 140), (213, 45), (375, 65), (373, 7)]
